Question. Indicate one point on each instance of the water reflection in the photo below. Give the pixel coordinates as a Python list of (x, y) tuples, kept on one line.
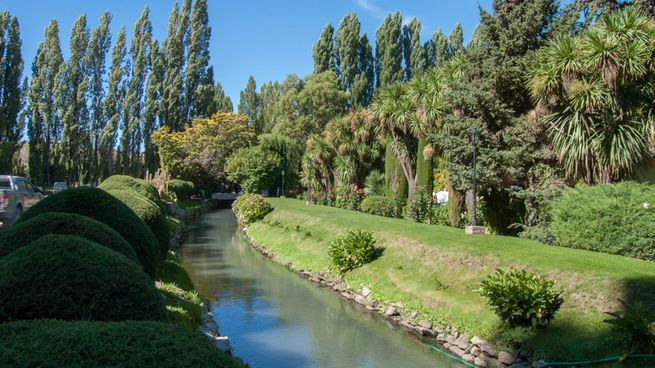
[(276, 319)]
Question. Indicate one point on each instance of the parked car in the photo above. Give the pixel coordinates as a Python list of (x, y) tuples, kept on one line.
[(17, 194), (59, 186)]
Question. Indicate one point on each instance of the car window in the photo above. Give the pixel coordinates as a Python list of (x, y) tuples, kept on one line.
[(5, 184), (22, 185)]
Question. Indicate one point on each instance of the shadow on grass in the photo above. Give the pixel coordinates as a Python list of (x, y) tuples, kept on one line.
[(573, 336)]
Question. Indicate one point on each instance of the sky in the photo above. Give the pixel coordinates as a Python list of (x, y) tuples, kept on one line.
[(266, 39)]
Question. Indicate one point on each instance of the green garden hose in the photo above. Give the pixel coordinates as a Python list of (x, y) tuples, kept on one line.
[(552, 364)]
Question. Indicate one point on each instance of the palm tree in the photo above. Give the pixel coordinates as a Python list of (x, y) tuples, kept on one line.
[(596, 94)]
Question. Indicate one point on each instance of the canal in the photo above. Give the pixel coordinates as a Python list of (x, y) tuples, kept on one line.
[(275, 318)]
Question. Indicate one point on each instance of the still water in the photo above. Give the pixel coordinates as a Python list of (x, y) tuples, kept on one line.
[(276, 319)]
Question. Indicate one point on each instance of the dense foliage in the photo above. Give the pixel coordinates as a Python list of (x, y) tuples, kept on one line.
[(84, 227), (103, 207), (380, 205), (637, 325), (617, 219), (69, 278), (81, 344), (420, 208), (352, 250), (183, 189), (140, 186), (251, 207), (520, 298), (253, 168), (350, 197)]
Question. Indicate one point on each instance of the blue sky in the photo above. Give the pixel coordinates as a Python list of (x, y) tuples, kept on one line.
[(268, 39)]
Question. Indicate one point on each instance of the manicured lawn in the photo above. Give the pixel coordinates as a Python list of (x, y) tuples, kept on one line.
[(434, 270)]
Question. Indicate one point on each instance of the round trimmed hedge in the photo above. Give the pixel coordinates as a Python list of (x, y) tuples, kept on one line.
[(78, 344), (65, 224), (127, 182), (102, 206), (70, 278), (183, 189), (150, 213)]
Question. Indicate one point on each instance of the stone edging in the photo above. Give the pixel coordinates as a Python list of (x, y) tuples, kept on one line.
[(470, 349)]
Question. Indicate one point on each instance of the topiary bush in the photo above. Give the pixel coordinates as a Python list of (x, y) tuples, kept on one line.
[(69, 278), (251, 207), (419, 209), (616, 219), (65, 224), (140, 186), (150, 213), (182, 189), (520, 298), (352, 250), (80, 344), (103, 207), (380, 205)]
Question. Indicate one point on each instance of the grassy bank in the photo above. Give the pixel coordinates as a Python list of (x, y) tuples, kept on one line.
[(435, 270)]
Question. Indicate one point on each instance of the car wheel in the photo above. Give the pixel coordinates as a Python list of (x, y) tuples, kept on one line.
[(17, 213)]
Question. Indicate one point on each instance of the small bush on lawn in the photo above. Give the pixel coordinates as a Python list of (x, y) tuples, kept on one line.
[(616, 219), (69, 278), (140, 186), (636, 324), (323, 198), (65, 224), (101, 206), (379, 205), (520, 298), (251, 207), (419, 209), (440, 214), (150, 213), (352, 250), (350, 197), (79, 344), (183, 189)]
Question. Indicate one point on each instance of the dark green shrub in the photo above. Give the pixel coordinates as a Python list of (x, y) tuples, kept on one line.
[(636, 324), (419, 209), (171, 271), (379, 205), (140, 186), (350, 197), (65, 224), (81, 344), (440, 215), (101, 206), (616, 219), (150, 213), (182, 189), (374, 184), (352, 250), (66, 277), (251, 207), (520, 298)]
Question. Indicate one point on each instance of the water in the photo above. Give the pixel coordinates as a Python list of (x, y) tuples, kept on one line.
[(276, 319)]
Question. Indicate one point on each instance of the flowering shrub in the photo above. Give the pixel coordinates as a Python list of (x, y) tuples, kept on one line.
[(323, 198), (251, 207), (381, 206), (350, 197)]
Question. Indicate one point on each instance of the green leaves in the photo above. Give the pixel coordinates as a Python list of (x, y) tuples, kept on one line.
[(251, 207), (636, 325), (352, 250)]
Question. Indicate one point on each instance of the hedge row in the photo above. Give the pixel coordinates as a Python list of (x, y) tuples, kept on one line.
[(182, 189)]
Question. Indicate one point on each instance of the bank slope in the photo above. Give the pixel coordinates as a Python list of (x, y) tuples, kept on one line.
[(434, 271)]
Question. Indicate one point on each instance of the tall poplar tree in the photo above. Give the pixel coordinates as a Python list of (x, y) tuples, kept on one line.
[(323, 50), (134, 101), (198, 55), (347, 50), (96, 55), (456, 39), (172, 99), (389, 51), (113, 105), (441, 51), (11, 93), (249, 104), (44, 124), (152, 95), (414, 53), (363, 86)]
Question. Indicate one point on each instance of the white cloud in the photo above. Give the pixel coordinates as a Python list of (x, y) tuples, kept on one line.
[(372, 9)]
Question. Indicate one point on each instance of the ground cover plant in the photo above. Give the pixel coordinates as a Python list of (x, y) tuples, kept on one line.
[(69, 278)]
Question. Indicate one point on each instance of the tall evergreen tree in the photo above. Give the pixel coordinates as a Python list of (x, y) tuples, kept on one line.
[(249, 104), (389, 51), (96, 55), (441, 51), (347, 50), (44, 125), (172, 99), (152, 94), (269, 94), (134, 101), (71, 100), (414, 53), (11, 94), (198, 55), (323, 50), (113, 105), (456, 39), (361, 90)]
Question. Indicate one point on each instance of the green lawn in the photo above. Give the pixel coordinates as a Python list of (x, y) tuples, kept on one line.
[(434, 270)]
